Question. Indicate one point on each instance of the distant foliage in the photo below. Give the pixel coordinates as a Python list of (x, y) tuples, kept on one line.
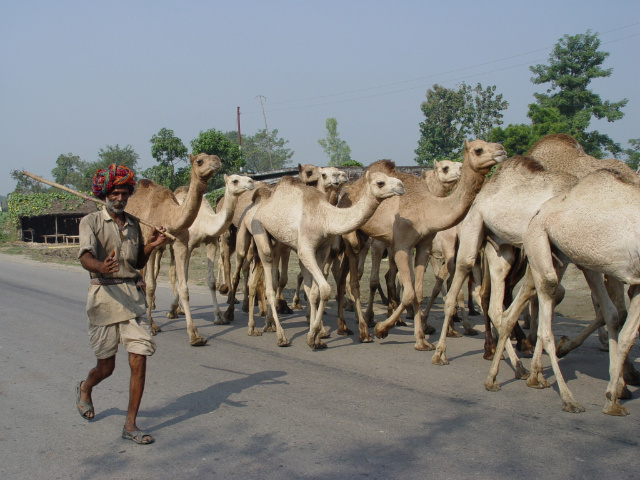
[(214, 142), (33, 204), (336, 149)]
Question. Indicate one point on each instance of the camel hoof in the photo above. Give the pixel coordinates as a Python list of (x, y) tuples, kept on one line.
[(561, 351), (401, 323), (489, 353), (171, 315), (423, 346), (325, 335), (453, 333), (269, 329), (614, 408), (320, 346), (439, 359), (349, 306), (492, 385), (345, 331), (228, 315), (473, 312), (296, 306), (221, 321), (284, 343), (428, 329), (521, 373), (380, 332), (223, 289), (155, 330), (282, 308), (534, 382), (366, 339), (471, 332), (253, 333), (572, 407), (198, 342), (604, 347)]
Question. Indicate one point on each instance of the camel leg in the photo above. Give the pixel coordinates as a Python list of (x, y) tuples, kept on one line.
[(377, 249), (527, 290), (182, 273), (407, 279), (296, 297), (241, 247), (150, 278), (255, 274), (283, 278), (212, 250), (626, 339), (317, 285), (472, 234), (350, 269), (227, 247), (264, 248)]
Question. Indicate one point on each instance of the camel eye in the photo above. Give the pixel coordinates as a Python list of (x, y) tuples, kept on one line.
[(309, 173), (199, 162), (235, 182), (445, 169), (380, 183), (324, 176), (478, 151)]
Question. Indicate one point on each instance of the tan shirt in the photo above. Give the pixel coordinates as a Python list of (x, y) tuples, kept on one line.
[(100, 235)]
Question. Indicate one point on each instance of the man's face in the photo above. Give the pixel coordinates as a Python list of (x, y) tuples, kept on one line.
[(117, 200)]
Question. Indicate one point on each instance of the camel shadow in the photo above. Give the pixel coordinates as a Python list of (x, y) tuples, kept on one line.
[(211, 398)]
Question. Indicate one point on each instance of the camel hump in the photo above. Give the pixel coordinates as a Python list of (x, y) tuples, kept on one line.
[(384, 166), (182, 190), (558, 139), (145, 183), (260, 193)]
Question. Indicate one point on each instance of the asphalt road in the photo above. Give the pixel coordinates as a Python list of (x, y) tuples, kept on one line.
[(241, 407)]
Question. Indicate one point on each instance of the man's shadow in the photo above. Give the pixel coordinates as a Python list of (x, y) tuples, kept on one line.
[(208, 400)]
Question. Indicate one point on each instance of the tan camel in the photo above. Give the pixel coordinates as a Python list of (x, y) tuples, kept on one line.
[(561, 152), (595, 225), (440, 181), (303, 219), (443, 178), (206, 229), (411, 221), (158, 204), (501, 213)]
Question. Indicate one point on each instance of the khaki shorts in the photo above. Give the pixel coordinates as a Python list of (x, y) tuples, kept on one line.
[(133, 334)]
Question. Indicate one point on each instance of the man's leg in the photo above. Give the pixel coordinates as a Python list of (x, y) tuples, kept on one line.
[(138, 364), (103, 369)]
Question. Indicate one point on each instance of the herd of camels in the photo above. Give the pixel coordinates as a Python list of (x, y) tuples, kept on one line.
[(523, 225)]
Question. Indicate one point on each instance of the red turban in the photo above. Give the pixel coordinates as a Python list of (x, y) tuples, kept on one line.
[(104, 181)]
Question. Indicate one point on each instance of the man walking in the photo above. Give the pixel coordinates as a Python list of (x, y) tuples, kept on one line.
[(112, 250)]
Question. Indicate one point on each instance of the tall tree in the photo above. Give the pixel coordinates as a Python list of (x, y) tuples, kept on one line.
[(337, 150), (26, 184), (166, 149), (263, 152), (453, 114), (214, 142), (633, 153), (573, 63), (70, 171)]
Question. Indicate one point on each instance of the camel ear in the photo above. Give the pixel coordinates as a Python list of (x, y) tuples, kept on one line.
[(435, 163), (300, 168), (424, 173), (466, 144), (191, 158), (367, 177), (225, 177)]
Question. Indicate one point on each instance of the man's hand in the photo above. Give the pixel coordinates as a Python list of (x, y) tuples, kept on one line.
[(156, 238), (110, 264)]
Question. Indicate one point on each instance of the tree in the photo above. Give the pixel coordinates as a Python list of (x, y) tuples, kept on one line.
[(127, 157), (262, 152), (337, 150), (453, 114), (166, 149), (214, 142), (70, 171), (573, 63), (26, 184), (633, 153)]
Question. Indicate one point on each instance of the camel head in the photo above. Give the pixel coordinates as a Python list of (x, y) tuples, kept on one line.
[(330, 178), (237, 184), (383, 186), (309, 174), (447, 171), (203, 166), (481, 155)]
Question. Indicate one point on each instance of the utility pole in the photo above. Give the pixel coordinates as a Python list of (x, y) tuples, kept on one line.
[(239, 135), (267, 129)]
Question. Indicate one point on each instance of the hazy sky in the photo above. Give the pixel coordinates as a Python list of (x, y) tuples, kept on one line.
[(78, 76)]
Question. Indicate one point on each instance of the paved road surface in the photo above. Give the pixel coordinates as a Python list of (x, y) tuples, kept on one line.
[(243, 408)]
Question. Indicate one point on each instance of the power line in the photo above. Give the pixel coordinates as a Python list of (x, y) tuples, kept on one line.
[(309, 99)]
